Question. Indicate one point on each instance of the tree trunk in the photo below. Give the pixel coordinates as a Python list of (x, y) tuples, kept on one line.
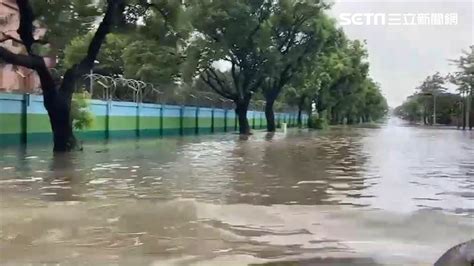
[(299, 118), (300, 111), (270, 115), (58, 105), (463, 114), (468, 111), (351, 120), (241, 112), (335, 117)]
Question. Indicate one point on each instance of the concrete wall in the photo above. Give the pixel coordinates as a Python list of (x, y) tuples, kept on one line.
[(23, 119)]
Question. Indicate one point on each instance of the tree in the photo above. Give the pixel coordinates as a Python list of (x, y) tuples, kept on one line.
[(302, 90), (248, 45), (299, 31), (157, 52), (152, 52), (410, 110), (110, 58), (131, 56), (57, 97), (299, 97), (326, 73), (337, 84), (431, 87), (447, 108), (232, 34), (148, 61), (64, 20), (464, 79), (346, 93), (341, 96), (374, 105), (311, 83)]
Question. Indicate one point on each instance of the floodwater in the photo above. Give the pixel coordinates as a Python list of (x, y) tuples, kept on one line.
[(394, 195)]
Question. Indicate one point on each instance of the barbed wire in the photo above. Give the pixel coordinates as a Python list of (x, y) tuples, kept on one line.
[(123, 89), (110, 88)]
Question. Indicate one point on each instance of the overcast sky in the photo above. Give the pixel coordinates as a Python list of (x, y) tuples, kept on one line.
[(401, 56)]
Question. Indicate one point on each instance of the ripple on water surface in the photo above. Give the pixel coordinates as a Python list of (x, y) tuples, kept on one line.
[(341, 196)]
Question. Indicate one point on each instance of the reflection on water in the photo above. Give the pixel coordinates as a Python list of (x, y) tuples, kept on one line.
[(348, 196)]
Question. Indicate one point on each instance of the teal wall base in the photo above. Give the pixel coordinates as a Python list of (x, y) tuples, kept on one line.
[(221, 129), (10, 139), (171, 131), (46, 137), (122, 134), (150, 133), (91, 135), (204, 130), (189, 131)]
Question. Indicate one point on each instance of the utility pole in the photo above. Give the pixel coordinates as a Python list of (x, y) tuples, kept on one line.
[(468, 109), (434, 108), (463, 111)]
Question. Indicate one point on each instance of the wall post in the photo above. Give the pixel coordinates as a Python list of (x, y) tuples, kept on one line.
[(253, 120), (212, 120), (225, 120), (24, 117), (161, 120), (181, 120), (108, 110), (139, 107), (235, 122), (197, 121)]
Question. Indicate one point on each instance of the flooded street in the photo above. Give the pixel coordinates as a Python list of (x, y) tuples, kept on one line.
[(394, 195)]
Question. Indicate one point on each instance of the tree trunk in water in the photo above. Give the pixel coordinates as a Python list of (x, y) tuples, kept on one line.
[(270, 115), (241, 112), (468, 111), (300, 111), (335, 118), (463, 115), (58, 105), (300, 119)]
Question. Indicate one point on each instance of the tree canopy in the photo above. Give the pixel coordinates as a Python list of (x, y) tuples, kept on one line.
[(432, 104)]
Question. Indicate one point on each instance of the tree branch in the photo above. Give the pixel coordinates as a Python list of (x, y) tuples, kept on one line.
[(18, 59), (114, 9), (26, 28), (7, 37), (213, 87), (32, 62), (235, 76), (161, 12), (220, 91), (216, 78)]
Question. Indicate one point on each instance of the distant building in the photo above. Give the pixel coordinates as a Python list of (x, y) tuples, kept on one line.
[(16, 78)]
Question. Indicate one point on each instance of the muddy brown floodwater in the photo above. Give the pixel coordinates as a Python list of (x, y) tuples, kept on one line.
[(394, 195)]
